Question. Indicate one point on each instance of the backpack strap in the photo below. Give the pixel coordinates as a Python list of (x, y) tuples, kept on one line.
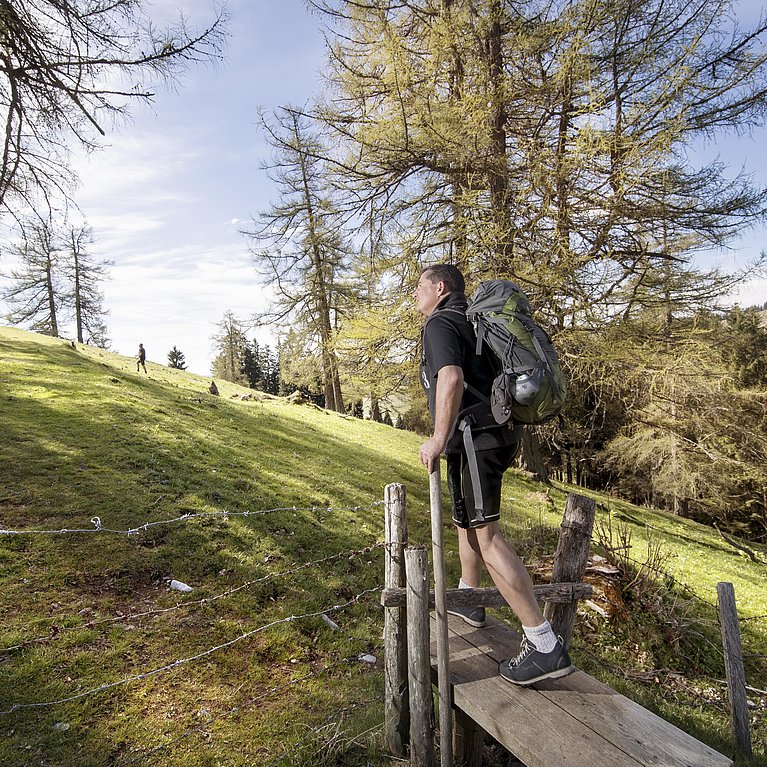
[(471, 458), (478, 332), (476, 392)]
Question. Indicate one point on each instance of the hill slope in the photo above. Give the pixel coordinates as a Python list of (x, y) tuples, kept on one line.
[(271, 513)]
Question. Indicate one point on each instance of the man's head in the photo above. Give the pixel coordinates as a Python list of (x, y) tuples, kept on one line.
[(434, 284)]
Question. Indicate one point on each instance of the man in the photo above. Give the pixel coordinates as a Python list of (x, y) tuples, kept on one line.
[(141, 359), (448, 359)]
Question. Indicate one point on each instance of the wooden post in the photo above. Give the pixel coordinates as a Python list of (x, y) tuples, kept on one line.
[(570, 560), (733, 666), (440, 605), (396, 701), (469, 740), (419, 662)]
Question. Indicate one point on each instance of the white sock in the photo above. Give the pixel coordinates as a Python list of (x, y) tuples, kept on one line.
[(542, 637)]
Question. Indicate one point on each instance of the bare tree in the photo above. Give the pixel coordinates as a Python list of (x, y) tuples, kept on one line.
[(35, 294), (84, 297), (66, 67)]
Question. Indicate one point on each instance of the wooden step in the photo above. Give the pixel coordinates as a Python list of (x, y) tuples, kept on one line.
[(575, 721)]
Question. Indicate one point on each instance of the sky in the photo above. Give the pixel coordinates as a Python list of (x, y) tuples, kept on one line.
[(170, 192)]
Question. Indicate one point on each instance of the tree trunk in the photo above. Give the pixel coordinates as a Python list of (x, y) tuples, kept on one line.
[(532, 458), (51, 298), (77, 289)]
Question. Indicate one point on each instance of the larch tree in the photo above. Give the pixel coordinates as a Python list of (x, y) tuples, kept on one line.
[(35, 294), (551, 143), (299, 245), (84, 296), (231, 345)]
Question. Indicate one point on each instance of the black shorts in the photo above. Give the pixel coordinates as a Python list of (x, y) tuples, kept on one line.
[(491, 465)]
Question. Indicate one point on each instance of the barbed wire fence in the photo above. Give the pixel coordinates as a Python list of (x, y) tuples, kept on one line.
[(98, 528)]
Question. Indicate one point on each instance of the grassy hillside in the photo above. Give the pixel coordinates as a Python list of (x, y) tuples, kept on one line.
[(271, 513)]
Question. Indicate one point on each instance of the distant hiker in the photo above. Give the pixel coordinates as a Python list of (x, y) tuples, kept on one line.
[(448, 360), (213, 389), (141, 359)]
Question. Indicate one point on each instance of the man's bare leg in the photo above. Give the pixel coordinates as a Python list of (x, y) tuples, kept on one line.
[(487, 545)]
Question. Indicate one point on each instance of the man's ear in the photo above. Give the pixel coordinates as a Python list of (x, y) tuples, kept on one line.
[(441, 288)]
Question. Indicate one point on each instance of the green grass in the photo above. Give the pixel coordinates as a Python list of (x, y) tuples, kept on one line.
[(82, 435)]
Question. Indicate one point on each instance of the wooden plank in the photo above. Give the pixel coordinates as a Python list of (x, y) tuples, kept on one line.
[(613, 718), (522, 719), (629, 726)]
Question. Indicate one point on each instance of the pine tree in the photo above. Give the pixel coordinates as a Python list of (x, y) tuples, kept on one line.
[(176, 359)]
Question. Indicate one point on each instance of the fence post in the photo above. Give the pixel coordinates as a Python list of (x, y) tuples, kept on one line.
[(570, 560), (733, 666), (419, 662), (396, 700), (440, 609)]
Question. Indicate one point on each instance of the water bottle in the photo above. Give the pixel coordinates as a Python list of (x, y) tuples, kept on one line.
[(525, 389)]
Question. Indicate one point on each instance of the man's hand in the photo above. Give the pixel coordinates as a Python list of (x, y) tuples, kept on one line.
[(430, 452)]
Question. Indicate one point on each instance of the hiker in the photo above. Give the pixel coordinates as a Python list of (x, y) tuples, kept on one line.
[(141, 359), (448, 359)]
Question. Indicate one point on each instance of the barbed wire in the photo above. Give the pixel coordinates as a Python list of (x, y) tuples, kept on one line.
[(192, 603), (688, 588), (242, 706), (176, 664), (753, 618), (699, 621), (98, 526)]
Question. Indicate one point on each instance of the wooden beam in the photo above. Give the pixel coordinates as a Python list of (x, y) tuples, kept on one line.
[(550, 592)]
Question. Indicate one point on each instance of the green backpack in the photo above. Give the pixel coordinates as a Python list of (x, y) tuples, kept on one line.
[(529, 387)]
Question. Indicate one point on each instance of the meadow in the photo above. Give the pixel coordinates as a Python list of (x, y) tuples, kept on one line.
[(116, 483)]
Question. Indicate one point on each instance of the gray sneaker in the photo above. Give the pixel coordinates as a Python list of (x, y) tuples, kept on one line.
[(474, 616), (532, 666)]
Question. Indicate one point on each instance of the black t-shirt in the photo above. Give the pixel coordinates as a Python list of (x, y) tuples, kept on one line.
[(448, 339)]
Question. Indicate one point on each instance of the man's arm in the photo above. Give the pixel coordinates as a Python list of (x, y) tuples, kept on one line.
[(447, 404)]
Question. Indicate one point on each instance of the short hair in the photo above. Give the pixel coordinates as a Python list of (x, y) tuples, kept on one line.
[(448, 274)]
